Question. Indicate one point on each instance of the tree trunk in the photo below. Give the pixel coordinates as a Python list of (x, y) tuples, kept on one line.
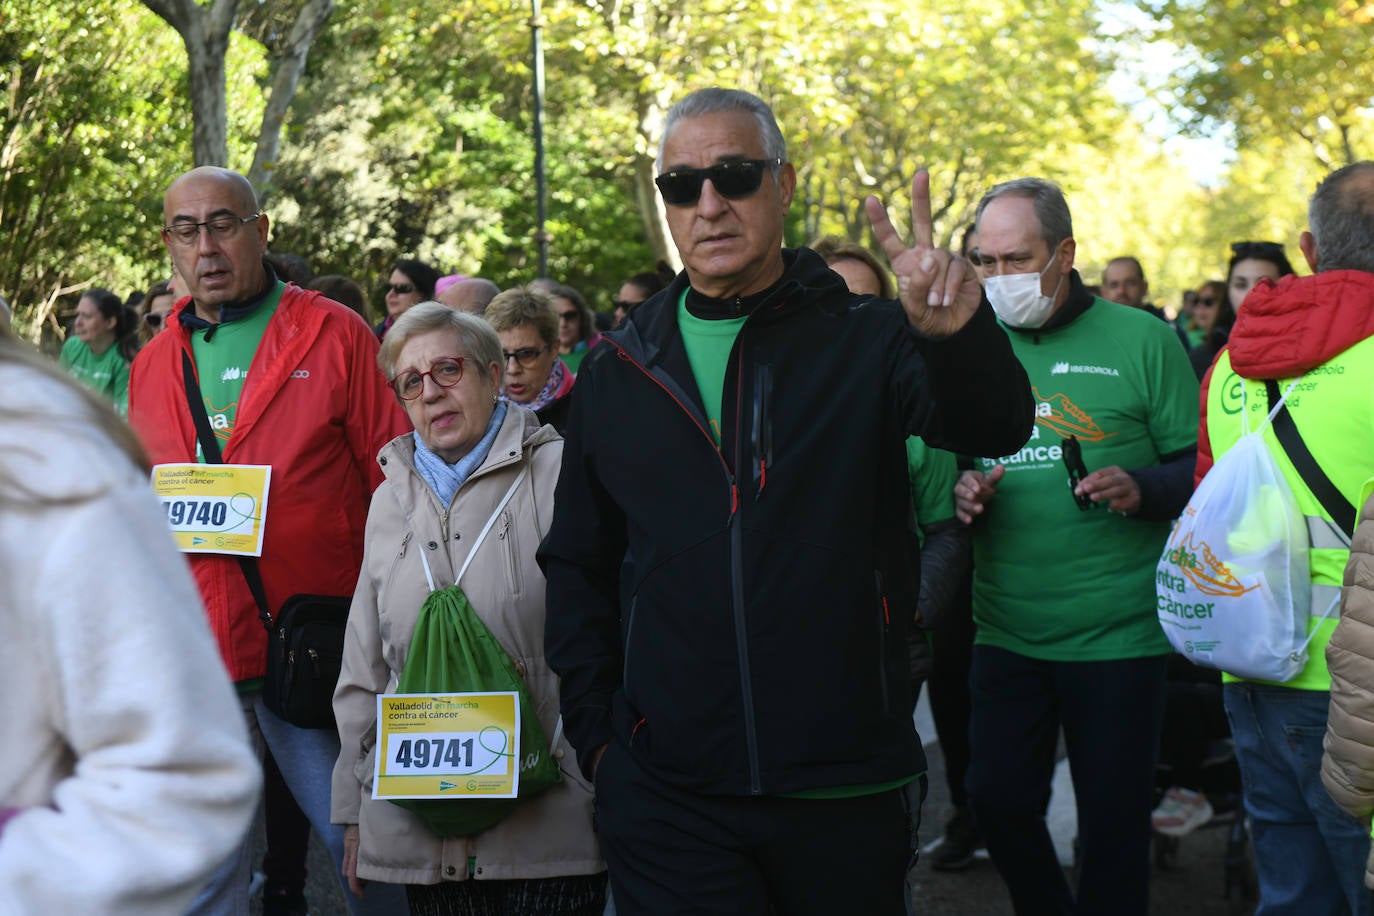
[(205, 32), (651, 112), (286, 75)]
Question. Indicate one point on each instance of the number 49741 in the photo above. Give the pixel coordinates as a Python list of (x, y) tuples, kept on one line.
[(434, 754)]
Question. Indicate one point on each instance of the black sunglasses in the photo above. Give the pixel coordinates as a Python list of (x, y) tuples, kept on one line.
[(1073, 461), (403, 289), (1261, 250), (732, 180), (1206, 300), (153, 320)]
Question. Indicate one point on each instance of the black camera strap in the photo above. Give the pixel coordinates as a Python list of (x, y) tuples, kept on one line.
[(209, 447), (1341, 509)]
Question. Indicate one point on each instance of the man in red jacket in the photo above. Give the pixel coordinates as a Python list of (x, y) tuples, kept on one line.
[(1312, 337), (288, 379)]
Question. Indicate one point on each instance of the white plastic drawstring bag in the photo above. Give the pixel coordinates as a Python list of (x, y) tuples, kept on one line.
[(1233, 587)]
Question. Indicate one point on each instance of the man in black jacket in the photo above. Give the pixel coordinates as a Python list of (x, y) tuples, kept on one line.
[(730, 571)]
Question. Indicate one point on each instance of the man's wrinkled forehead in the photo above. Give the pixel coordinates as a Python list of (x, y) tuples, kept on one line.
[(200, 195), (732, 136)]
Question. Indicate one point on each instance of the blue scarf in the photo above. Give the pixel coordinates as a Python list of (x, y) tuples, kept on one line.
[(444, 478)]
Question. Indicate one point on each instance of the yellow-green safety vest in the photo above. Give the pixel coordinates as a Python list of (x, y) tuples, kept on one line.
[(1333, 409)]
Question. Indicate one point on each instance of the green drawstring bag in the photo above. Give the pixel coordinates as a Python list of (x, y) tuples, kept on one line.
[(452, 651)]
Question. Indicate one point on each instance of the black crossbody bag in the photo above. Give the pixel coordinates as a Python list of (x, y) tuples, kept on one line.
[(305, 641)]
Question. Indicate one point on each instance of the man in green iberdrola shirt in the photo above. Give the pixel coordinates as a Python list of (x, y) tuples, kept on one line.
[(1063, 591)]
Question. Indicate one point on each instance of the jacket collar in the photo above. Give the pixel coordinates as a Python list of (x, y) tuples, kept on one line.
[(228, 311), (520, 432), (806, 282)]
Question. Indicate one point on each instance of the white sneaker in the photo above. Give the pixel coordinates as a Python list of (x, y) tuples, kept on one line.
[(1180, 812)]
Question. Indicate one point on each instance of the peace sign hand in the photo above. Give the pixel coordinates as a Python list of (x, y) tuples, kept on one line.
[(939, 291)]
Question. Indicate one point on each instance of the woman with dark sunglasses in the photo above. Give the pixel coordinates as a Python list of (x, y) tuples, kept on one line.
[(1212, 319), (157, 304), (411, 281), (577, 332)]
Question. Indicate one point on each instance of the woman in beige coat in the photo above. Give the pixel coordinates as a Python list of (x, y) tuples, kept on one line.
[(443, 484), (1348, 764)]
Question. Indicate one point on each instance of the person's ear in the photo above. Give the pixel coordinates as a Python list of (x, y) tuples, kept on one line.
[(787, 184), (1308, 243), (1067, 249)]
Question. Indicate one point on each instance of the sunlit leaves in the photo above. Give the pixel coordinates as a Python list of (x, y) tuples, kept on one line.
[(1303, 69)]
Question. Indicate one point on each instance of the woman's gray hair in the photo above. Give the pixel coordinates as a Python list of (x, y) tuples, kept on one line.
[(1051, 209), (716, 101), (479, 340)]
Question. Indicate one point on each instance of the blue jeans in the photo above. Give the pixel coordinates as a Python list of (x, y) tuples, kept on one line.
[(1309, 854), (306, 759)]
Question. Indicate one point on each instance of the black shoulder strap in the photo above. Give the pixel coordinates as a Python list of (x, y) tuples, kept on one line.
[(209, 447), (1341, 509)]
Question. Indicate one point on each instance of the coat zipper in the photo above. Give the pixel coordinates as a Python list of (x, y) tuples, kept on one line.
[(736, 574), (884, 621), (761, 429), (746, 681)]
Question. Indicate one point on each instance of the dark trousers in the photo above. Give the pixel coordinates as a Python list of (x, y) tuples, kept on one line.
[(1194, 717), (675, 852), (1110, 713), (288, 835), (949, 696)]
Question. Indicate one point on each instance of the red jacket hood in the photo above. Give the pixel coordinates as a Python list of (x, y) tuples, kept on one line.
[(1287, 328)]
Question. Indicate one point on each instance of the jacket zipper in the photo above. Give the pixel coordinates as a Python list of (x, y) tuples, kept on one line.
[(736, 575), (746, 682), (884, 621), (761, 429), (507, 538), (625, 666)]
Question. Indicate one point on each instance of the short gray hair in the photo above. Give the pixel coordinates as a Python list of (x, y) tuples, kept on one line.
[(1051, 209), (1341, 219), (478, 338), (717, 101)]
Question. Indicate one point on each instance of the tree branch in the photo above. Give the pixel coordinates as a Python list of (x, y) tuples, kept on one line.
[(286, 77)]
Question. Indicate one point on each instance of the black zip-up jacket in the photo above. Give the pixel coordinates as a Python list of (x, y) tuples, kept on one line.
[(732, 615)]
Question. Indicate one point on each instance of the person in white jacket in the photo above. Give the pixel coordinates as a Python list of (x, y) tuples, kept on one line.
[(126, 773)]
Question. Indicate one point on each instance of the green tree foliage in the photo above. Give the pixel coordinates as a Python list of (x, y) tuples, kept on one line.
[(422, 148), (90, 118), (409, 134), (1277, 69), (865, 95), (977, 94)]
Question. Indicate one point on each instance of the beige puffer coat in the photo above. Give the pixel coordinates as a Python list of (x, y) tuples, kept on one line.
[(1348, 764), (547, 836)]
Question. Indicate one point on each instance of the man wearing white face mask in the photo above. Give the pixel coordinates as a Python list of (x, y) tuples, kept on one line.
[(1066, 535)]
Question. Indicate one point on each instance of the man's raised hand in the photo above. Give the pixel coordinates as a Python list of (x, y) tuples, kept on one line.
[(939, 291)]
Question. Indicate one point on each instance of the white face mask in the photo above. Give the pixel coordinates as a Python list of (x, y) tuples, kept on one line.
[(1017, 300)]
